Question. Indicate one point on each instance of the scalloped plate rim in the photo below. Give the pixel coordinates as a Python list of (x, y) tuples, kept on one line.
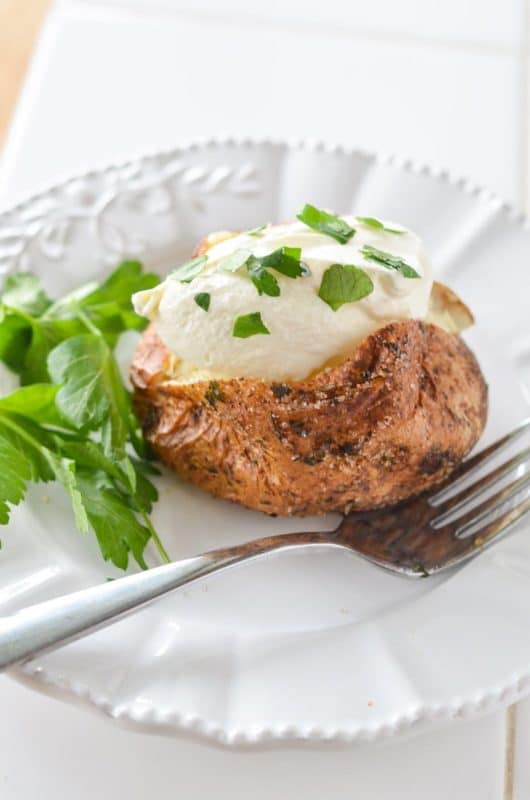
[(55, 685)]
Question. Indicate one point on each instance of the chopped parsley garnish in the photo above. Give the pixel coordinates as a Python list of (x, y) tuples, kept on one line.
[(377, 225), (188, 271), (203, 300), (249, 325), (344, 283), (263, 280), (389, 261), (287, 261), (235, 260), (326, 223), (257, 232)]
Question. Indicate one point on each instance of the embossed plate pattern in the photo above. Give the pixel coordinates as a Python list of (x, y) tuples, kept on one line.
[(306, 646)]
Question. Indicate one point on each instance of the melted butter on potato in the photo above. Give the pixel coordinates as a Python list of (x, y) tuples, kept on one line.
[(305, 333)]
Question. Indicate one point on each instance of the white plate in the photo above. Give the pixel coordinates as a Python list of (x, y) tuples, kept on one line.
[(313, 645)]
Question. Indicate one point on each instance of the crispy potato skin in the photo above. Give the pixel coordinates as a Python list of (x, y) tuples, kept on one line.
[(386, 424)]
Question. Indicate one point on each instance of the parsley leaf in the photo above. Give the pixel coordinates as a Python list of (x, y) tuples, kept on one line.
[(45, 335), (389, 261), (15, 338), (36, 401), (24, 292), (146, 493), (121, 284), (32, 441), (344, 283), (249, 325), (188, 271), (262, 279), (326, 223), (14, 476), (235, 260), (377, 225), (257, 232), (65, 472), (203, 300), (287, 261), (117, 528), (36, 461), (91, 395)]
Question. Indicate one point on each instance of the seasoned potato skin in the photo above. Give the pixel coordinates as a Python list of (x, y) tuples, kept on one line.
[(389, 422)]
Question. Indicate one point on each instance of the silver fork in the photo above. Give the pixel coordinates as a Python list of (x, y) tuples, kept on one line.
[(417, 538)]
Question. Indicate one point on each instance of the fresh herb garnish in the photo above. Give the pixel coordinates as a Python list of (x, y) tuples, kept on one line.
[(234, 261), (257, 232), (344, 283), (377, 225), (188, 271), (286, 260), (203, 300), (73, 421), (326, 223), (27, 338), (92, 394), (249, 325), (389, 261), (24, 292), (263, 280)]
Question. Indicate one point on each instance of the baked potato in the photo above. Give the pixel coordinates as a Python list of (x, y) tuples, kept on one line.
[(386, 422)]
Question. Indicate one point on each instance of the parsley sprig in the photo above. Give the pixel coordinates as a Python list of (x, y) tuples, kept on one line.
[(72, 419)]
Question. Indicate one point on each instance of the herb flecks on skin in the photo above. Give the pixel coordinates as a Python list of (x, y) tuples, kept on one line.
[(203, 300), (249, 325), (326, 223), (73, 421), (377, 225), (344, 283), (389, 261), (281, 390), (213, 394)]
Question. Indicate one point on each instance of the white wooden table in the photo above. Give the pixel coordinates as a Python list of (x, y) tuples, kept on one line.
[(445, 83)]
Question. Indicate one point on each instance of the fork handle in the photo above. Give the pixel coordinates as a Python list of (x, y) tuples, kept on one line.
[(48, 625)]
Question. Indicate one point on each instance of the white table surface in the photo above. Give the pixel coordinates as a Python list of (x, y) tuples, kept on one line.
[(445, 83)]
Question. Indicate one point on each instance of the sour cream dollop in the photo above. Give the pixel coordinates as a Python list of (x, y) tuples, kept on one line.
[(305, 332)]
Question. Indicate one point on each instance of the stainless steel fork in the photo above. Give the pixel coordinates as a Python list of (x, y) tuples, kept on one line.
[(417, 538)]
